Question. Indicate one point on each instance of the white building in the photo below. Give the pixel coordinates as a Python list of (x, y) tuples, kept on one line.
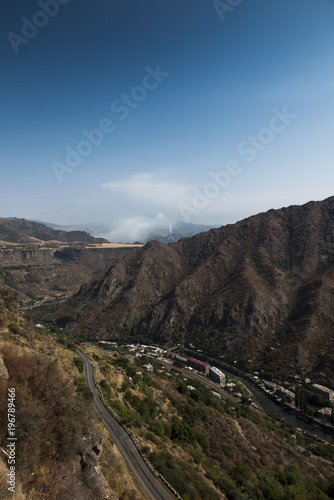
[(324, 392), (217, 375)]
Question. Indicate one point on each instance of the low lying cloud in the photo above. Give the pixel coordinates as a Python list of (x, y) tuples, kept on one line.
[(129, 230)]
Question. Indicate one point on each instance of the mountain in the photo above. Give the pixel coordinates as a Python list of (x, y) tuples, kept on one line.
[(165, 234), (29, 232), (205, 446), (178, 231), (259, 292), (93, 228)]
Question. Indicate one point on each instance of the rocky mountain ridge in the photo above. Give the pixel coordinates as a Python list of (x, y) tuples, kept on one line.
[(259, 291)]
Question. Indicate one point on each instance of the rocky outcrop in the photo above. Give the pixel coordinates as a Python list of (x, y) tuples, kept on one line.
[(88, 463), (91, 449), (259, 291)]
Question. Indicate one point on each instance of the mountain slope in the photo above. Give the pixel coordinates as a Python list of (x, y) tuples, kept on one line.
[(25, 231), (259, 291), (39, 273), (63, 445)]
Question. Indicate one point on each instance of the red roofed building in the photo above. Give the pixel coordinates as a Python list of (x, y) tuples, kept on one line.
[(198, 365), (170, 355)]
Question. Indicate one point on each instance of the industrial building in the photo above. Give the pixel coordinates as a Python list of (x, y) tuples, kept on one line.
[(198, 365), (217, 375)]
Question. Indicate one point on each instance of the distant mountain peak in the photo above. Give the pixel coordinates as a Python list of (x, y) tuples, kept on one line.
[(14, 230)]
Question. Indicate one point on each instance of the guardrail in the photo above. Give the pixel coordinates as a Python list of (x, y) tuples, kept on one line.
[(134, 440)]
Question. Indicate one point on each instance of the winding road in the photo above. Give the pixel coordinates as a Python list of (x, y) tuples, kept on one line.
[(151, 485)]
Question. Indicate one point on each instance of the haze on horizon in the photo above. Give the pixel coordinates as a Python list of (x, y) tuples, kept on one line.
[(134, 115)]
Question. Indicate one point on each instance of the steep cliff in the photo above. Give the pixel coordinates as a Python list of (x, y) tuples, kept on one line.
[(48, 273)]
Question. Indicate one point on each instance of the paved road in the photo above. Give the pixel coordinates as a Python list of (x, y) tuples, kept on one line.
[(151, 485)]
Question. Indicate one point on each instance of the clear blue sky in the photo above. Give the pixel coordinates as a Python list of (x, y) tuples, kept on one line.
[(181, 89)]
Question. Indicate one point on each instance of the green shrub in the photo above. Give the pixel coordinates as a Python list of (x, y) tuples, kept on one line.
[(182, 476), (82, 388), (105, 388), (14, 328), (79, 364)]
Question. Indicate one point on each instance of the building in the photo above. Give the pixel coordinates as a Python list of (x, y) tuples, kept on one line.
[(181, 359), (217, 394), (217, 375), (325, 413), (170, 355), (324, 392), (154, 350), (287, 393), (198, 365), (148, 367)]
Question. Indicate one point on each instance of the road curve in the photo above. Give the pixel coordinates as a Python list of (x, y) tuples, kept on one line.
[(153, 488)]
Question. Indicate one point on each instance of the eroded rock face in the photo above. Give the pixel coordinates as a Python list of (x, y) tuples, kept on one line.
[(91, 449), (88, 463)]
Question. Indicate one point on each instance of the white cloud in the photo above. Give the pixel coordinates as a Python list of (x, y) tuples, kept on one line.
[(201, 203), (154, 187), (128, 230)]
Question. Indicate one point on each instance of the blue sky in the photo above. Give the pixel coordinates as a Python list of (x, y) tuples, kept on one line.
[(241, 94)]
